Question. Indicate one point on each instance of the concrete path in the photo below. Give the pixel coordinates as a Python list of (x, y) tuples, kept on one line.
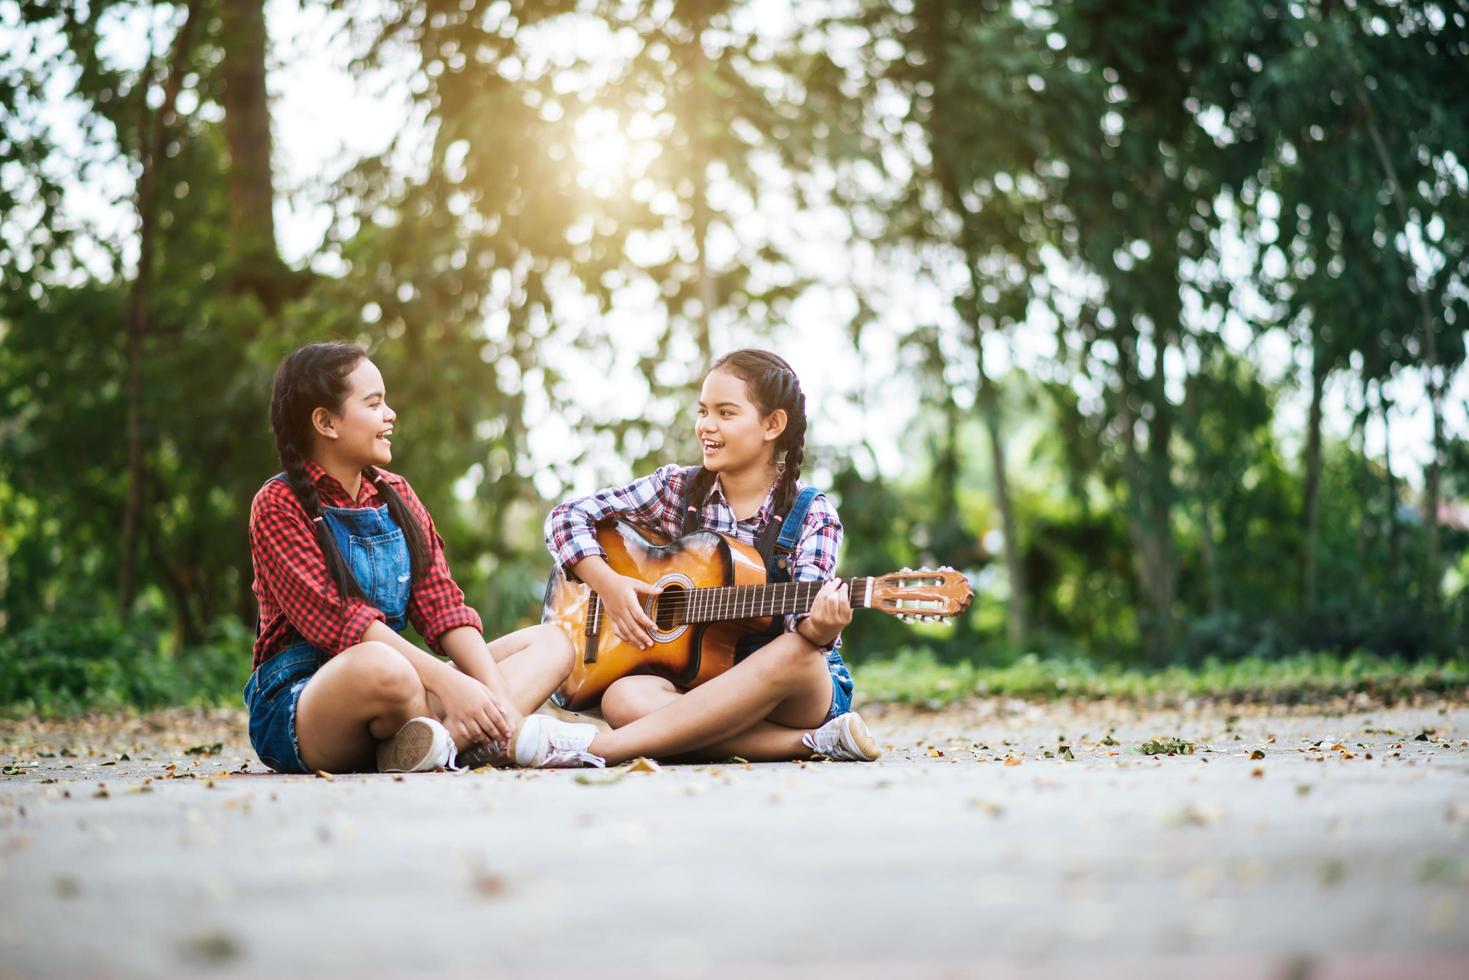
[(1288, 845)]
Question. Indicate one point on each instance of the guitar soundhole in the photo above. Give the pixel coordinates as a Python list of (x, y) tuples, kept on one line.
[(667, 607)]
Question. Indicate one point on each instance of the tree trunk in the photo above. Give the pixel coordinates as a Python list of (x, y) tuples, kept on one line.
[(695, 123), (1207, 551), (1432, 571), (1311, 510), (1149, 509), (1016, 620), (259, 269), (1390, 486), (152, 135)]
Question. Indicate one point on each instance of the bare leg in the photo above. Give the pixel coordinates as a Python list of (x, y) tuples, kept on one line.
[(786, 682), (359, 697), (534, 661), (635, 697)]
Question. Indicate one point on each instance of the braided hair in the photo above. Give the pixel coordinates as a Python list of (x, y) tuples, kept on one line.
[(313, 377), (772, 384)]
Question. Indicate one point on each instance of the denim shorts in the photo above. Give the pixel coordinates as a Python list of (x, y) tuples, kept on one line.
[(271, 695), (841, 686)]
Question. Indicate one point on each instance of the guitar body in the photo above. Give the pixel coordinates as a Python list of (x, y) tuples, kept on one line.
[(687, 654)]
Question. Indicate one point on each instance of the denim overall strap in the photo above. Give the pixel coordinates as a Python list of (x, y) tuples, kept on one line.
[(777, 560)]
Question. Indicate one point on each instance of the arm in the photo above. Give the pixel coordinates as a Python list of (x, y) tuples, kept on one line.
[(472, 713), (436, 606), (652, 501), (466, 648)]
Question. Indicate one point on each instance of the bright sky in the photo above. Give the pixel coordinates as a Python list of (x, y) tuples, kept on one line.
[(324, 118)]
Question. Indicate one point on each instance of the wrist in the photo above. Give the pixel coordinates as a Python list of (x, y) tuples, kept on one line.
[(816, 634)]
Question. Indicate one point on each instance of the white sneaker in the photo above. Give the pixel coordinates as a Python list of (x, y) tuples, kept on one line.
[(545, 743), (421, 745), (844, 739)]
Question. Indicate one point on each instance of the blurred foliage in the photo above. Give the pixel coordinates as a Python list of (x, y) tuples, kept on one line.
[(1176, 193), (914, 676)]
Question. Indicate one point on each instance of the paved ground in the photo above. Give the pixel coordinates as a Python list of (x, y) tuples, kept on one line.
[(1289, 845)]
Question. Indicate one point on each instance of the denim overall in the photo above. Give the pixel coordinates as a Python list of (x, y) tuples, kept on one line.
[(776, 570), (775, 542), (377, 554)]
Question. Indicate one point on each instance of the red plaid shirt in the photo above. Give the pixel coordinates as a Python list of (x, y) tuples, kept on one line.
[(298, 597)]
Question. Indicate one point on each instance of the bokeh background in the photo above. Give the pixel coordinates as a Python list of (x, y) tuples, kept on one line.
[(1149, 316)]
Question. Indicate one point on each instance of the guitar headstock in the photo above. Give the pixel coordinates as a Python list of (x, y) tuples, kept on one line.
[(915, 595)]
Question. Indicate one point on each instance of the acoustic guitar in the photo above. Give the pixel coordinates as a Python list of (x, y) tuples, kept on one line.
[(714, 593)]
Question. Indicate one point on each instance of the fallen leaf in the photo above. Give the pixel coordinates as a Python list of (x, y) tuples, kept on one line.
[(323, 774), (642, 764), (1166, 745), (487, 884), (607, 778), (211, 947), (1195, 815)]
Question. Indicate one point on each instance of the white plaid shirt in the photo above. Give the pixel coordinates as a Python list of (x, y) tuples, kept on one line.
[(656, 502)]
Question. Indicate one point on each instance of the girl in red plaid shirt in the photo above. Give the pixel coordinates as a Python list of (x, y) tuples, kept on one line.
[(346, 557), (791, 698)]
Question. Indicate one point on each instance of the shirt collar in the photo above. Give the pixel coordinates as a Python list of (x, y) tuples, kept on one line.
[(767, 507), (330, 486)]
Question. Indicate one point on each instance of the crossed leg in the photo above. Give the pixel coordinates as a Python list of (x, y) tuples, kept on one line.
[(759, 709), (365, 693), (358, 698)]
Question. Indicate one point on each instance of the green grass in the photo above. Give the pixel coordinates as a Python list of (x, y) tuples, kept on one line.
[(915, 677)]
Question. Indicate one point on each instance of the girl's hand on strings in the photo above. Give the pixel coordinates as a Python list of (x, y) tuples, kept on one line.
[(622, 607), (831, 611)]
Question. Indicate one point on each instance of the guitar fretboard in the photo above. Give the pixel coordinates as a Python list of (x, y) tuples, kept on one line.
[(746, 601)]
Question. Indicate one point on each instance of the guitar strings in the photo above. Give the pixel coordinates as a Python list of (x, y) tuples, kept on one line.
[(718, 602)]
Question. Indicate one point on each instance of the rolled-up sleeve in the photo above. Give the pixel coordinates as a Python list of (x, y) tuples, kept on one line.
[(651, 501), (292, 571), (436, 605)]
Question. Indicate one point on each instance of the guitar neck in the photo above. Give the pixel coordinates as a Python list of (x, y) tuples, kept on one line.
[(754, 601)]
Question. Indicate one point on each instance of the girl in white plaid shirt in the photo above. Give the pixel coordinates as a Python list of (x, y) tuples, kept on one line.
[(791, 698)]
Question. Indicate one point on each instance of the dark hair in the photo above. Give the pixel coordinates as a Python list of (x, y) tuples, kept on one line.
[(772, 384), (316, 377)]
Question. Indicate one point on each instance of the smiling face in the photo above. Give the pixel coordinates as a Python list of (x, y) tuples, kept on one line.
[(358, 432), (732, 433)]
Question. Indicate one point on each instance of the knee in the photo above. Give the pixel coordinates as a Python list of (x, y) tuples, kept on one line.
[(786, 658), (385, 675), (557, 645), (623, 702)]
